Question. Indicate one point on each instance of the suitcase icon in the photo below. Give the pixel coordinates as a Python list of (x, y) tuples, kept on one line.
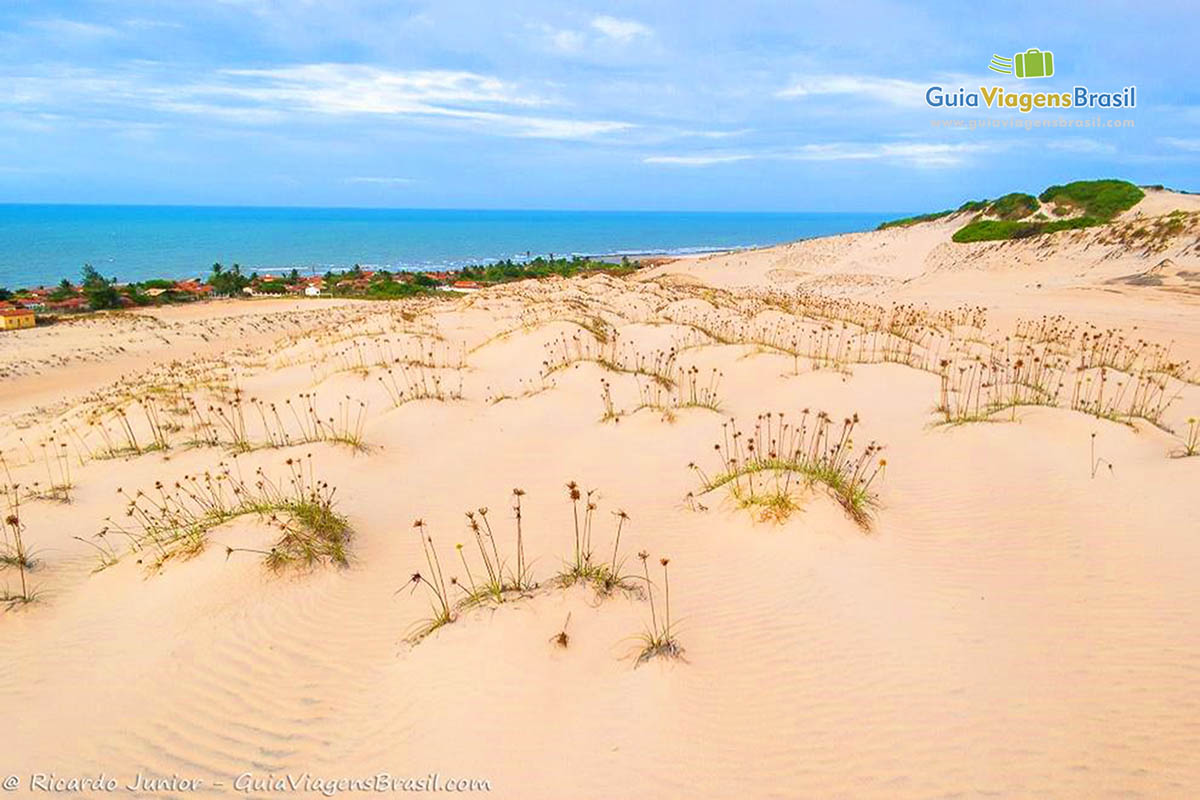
[(1034, 63)]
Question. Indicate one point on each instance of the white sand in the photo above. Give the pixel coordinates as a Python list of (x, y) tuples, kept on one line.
[(1010, 626)]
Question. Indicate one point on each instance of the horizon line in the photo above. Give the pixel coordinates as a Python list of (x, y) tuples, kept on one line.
[(9, 204)]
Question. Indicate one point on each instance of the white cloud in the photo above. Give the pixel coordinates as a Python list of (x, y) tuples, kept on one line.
[(358, 89), (235, 114), (622, 30), (379, 180), (270, 96), (1081, 145), (566, 41), (1190, 145), (141, 23), (889, 90), (74, 29), (915, 155), (604, 31), (714, 134), (449, 95), (696, 161), (930, 155)]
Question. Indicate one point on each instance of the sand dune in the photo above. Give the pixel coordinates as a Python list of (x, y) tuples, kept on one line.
[(1015, 616)]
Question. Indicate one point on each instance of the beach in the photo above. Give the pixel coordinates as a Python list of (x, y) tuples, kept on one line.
[(927, 510)]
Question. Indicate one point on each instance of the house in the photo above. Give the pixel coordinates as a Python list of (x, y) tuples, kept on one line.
[(13, 318), (194, 289), (70, 304), (467, 286), (312, 291)]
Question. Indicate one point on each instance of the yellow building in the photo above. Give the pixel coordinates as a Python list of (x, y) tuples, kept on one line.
[(13, 318)]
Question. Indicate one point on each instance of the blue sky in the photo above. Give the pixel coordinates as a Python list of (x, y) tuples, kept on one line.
[(617, 105)]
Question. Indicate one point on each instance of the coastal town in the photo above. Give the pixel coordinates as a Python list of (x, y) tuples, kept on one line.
[(23, 308)]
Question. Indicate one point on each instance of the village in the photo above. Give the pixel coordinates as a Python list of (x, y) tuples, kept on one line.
[(25, 308)]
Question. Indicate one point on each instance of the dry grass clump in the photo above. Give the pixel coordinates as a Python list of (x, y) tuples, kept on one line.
[(688, 389), (419, 383), (502, 577), (1049, 362), (58, 473), (831, 333), (1190, 440), (764, 468), (176, 520), (379, 352), (58, 484), (1119, 397), (528, 388), (658, 641), (435, 581), (239, 423), (604, 575), (251, 424), (124, 441), (978, 382), (1151, 236), (15, 554), (606, 399), (976, 389), (613, 355)]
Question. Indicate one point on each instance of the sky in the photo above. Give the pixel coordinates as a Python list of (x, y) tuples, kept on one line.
[(748, 106)]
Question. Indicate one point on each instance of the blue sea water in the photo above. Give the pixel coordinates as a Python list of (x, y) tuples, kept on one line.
[(42, 244)]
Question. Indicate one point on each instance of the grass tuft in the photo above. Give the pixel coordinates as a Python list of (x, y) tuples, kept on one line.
[(658, 640), (175, 521), (763, 467)]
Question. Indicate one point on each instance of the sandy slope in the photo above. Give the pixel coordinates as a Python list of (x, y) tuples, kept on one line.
[(1011, 625)]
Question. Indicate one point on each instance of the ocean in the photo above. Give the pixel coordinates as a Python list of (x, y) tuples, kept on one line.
[(42, 244)]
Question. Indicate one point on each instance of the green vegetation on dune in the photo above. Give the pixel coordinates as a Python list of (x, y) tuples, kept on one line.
[(970, 205), (1099, 199), (509, 270), (988, 230), (385, 285), (1015, 205), (904, 222), (389, 289), (1098, 202), (1017, 215)]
